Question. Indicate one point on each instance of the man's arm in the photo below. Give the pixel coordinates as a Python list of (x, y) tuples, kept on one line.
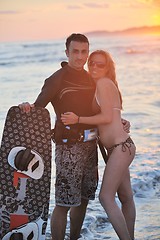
[(48, 92)]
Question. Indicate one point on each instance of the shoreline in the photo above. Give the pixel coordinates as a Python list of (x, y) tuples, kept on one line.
[(98, 227)]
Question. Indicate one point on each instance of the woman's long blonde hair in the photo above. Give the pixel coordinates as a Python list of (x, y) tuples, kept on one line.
[(111, 73)]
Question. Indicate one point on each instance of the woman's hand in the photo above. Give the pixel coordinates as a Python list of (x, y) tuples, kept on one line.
[(69, 118), (126, 125)]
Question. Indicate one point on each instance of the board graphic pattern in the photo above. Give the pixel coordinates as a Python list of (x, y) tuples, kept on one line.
[(23, 199)]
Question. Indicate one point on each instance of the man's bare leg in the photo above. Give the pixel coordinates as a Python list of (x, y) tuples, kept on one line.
[(59, 222), (77, 215)]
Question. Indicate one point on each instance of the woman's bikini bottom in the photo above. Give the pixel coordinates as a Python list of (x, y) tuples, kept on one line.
[(125, 145)]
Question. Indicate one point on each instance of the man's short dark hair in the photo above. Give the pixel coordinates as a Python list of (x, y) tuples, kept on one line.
[(78, 37)]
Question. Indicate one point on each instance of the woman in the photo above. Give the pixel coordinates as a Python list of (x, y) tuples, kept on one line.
[(120, 147)]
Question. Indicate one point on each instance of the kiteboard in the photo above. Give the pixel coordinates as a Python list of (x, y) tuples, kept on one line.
[(25, 174)]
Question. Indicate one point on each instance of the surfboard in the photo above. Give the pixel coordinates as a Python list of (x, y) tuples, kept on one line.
[(25, 174)]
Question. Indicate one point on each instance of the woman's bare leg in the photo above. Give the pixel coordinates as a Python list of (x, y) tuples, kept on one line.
[(125, 196), (113, 175)]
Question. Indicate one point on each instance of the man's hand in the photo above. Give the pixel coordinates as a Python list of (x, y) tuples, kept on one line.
[(126, 125), (26, 107)]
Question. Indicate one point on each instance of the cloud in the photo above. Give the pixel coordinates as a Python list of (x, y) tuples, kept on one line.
[(74, 7), (156, 2), (150, 3), (88, 5), (6, 12), (138, 4), (96, 5)]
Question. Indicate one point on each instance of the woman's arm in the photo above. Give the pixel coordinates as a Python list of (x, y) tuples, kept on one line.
[(105, 98), (71, 118)]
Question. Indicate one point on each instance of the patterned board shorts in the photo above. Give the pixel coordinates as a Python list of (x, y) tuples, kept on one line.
[(76, 173)]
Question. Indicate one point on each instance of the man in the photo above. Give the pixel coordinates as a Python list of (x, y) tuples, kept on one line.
[(71, 89)]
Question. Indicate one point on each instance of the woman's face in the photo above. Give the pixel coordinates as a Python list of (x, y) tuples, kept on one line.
[(97, 66)]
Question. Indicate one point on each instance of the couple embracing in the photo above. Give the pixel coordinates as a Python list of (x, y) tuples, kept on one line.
[(88, 107)]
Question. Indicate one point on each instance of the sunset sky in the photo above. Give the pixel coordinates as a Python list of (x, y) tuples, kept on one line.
[(50, 19)]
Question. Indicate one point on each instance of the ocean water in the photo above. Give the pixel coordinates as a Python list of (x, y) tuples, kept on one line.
[(25, 65)]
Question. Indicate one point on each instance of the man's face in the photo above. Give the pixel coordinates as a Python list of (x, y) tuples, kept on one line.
[(77, 54)]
